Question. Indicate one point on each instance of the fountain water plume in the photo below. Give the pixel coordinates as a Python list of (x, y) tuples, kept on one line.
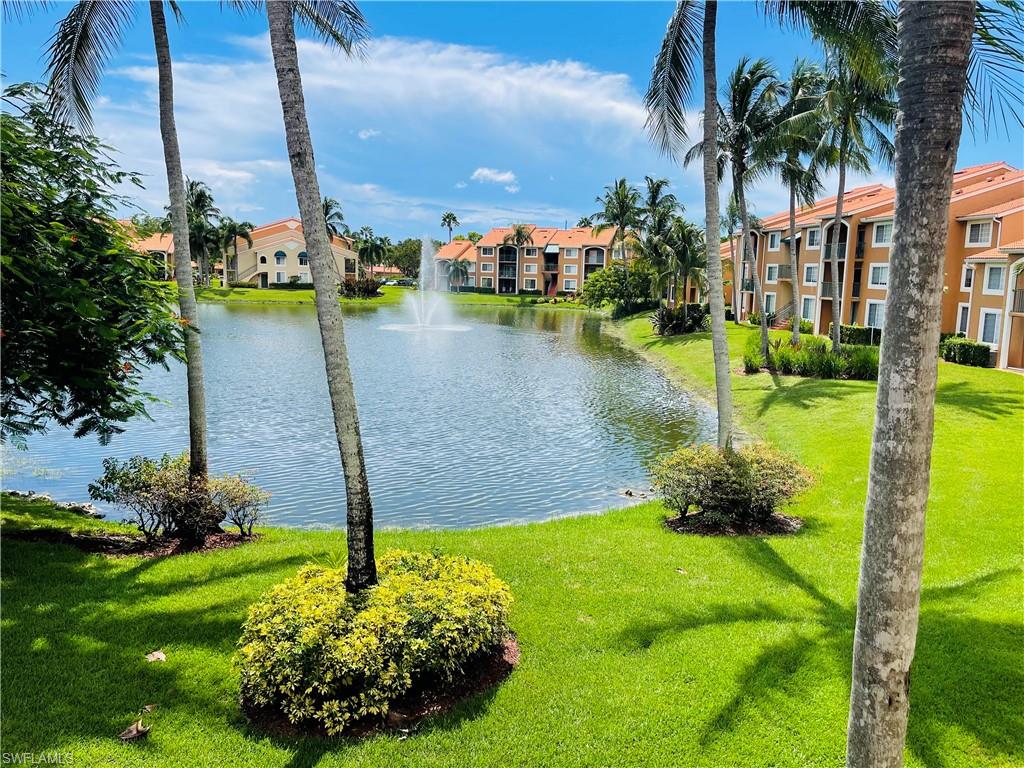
[(426, 303)]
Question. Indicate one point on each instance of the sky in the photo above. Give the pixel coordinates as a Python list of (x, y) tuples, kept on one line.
[(500, 112)]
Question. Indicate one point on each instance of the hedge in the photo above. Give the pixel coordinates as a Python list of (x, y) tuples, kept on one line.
[(957, 349), (858, 334), (290, 286)]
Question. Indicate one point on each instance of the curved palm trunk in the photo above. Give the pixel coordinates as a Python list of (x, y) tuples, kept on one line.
[(794, 266), (362, 570), (735, 286), (751, 257), (931, 91), (837, 232), (197, 469), (719, 343)]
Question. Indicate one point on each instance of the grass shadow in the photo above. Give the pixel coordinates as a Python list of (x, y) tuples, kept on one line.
[(807, 393), (977, 401)]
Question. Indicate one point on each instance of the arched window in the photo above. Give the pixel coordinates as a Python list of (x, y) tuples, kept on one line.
[(279, 258), (303, 259), (263, 259)]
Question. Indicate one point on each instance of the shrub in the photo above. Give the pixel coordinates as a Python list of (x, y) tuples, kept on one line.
[(525, 292), (238, 501), (958, 349), (784, 359), (672, 321), (812, 357), (363, 288), (239, 284), (737, 487), (862, 363), (293, 284), (858, 334), (753, 360), (754, 318), (326, 658), (806, 326)]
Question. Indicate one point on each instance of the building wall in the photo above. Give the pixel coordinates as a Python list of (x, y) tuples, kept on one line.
[(286, 238)]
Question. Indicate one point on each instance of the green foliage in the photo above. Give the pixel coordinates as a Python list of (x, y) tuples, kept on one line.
[(729, 487), (323, 657), (964, 351), (672, 321), (812, 357), (83, 315), (627, 291), (238, 501), (293, 284), (363, 288), (406, 256), (858, 334), (806, 326)]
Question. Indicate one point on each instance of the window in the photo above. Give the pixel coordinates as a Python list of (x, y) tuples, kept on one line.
[(531, 252), (568, 285), (879, 276), (876, 314), (279, 258), (570, 269), (773, 241), (530, 269), (994, 279), (963, 316), (988, 327), (810, 274), (979, 234), (471, 281), (967, 278), (471, 267), (304, 277), (486, 251), (486, 282), (263, 259), (303, 259), (807, 308), (883, 234), (280, 277), (572, 253), (813, 238), (769, 303), (772, 275), (485, 267), (530, 284)]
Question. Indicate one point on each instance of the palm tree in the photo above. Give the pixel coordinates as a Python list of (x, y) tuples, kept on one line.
[(334, 218), (78, 52), (690, 255), (585, 222), (231, 232), (339, 23), (372, 249), (622, 210), (855, 112), (203, 225), (520, 235), (458, 272), (731, 222), (449, 220)]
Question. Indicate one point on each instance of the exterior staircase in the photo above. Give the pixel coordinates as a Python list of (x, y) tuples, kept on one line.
[(783, 315)]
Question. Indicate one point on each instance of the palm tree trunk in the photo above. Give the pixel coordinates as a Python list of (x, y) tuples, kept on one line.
[(735, 282), (931, 91), (751, 258), (794, 266), (837, 231), (362, 570), (197, 469), (686, 294), (719, 343)]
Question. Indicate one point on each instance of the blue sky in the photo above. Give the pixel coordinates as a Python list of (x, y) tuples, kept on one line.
[(498, 111)]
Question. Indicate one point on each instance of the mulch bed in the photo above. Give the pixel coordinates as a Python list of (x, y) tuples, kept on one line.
[(428, 698), (123, 544), (776, 525)]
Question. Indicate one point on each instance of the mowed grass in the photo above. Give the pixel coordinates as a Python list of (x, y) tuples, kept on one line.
[(640, 647), (392, 294)]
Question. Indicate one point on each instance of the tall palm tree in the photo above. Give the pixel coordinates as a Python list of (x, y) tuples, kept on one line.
[(458, 272), (203, 225), (622, 211), (231, 232), (731, 222), (584, 221), (690, 255), (342, 24), (855, 112), (77, 54), (656, 199), (334, 218), (449, 220), (520, 235)]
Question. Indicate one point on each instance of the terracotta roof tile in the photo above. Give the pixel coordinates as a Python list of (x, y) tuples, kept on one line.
[(457, 249)]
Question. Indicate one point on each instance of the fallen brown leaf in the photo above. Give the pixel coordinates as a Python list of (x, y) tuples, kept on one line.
[(134, 731)]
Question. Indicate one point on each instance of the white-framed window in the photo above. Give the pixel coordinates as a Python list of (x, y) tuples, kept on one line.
[(486, 282), (807, 308), (471, 267), (771, 273), (530, 284), (769, 303), (530, 269), (967, 278), (279, 258), (988, 327), (994, 276), (572, 253), (569, 285), (979, 234), (570, 269), (471, 281), (963, 316), (774, 238), (531, 252), (486, 251), (813, 238), (280, 277), (485, 267), (304, 277), (810, 274), (878, 276), (875, 315), (882, 236)]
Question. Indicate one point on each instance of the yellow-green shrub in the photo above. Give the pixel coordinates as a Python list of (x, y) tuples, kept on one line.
[(321, 656)]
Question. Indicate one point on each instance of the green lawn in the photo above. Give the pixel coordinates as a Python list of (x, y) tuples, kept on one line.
[(391, 295), (510, 300), (640, 647)]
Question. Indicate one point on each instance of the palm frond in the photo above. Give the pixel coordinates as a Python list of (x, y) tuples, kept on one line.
[(19, 10), (672, 77), (995, 84), (335, 22)]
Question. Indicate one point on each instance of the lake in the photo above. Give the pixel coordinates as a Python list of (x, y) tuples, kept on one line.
[(526, 415)]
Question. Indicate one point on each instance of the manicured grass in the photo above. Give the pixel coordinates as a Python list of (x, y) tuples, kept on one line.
[(511, 300), (392, 294), (640, 647)]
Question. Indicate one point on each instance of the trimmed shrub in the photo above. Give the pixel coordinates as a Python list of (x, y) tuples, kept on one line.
[(812, 357), (957, 349), (325, 658), (524, 292), (806, 326), (363, 288), (862, 363), (858, 334), (737, 487), (238, 501), (237, 284), (291, 285)]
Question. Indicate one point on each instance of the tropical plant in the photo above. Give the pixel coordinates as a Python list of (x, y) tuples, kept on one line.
[(334, 218), (340, 24), (689, 256), (585, 222), (78, 53), (519, 235), (621, 211), (458, 272), (449, 221), (372, 249), (203, 225), (730, 222), (229, 233)]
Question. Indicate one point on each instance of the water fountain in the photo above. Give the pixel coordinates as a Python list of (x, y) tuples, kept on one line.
[(425, 304)]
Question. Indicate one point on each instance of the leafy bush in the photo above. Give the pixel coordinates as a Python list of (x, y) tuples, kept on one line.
[(323, 657), (626, 291), (958, 349), (238, 501), (812, 357), (806, 326), (526, 292), (754, 318), (734, 487), (473, 289), (858, 334), (293, 284), (672, 321), (363, 288), (753, 360), (862, 363)]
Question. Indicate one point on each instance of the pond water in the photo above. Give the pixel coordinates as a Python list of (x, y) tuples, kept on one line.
[(524, 415)]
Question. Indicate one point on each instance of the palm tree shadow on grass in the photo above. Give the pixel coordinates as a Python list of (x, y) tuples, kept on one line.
[(807, 393), (967, 675), (977, 401)]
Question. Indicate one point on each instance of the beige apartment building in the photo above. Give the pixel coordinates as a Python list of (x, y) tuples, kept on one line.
[(982, 295)]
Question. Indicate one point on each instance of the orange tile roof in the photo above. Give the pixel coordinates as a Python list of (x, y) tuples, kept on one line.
[(1011, 174), (582, 236), (496, 236), (973, 169), (997, 210), (156, 242), (1017, 246), (990, 254), (456, 249)]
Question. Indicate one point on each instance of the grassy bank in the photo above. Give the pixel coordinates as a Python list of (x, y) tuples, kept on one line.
[(640, 647), (391, 295), (526, 302)]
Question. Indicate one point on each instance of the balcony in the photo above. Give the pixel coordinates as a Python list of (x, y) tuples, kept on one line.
[(841, 251), (856, 290), (785, 272), (829, 290), (1018, 301), (550, 266), (594, 258), (506, 271), (860, 249), (747, 285)]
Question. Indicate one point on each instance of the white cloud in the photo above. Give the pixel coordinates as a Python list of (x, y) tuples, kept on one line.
[(493, 176), (368, 133), (460, 185), (513, 188)]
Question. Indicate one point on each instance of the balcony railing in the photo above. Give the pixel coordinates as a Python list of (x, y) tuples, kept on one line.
[(507, 272), (748, 285), (856, 290), (550, 266), (829, 290), (785, 271), (595, 259), (1018, 300), (840, 252), (860, 249)]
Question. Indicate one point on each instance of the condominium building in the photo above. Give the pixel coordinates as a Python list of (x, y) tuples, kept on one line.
[(554, 261), (982, 295)]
